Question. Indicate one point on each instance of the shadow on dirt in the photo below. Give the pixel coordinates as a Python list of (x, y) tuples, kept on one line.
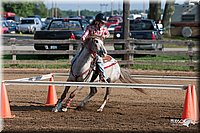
[(40, 107)]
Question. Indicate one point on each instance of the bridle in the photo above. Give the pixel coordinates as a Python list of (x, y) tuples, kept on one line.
[(93, 42)]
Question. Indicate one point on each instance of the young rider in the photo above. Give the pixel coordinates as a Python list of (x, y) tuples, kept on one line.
[(97, 28)]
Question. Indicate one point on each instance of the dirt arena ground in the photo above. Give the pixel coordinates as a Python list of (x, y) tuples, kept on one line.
[(127, 110)]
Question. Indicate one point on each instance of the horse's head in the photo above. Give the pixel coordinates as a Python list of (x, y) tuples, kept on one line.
[(94, 44)]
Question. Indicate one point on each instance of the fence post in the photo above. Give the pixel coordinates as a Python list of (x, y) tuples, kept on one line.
[(71, 47), (126, 29), (13, 46), (190, 53)]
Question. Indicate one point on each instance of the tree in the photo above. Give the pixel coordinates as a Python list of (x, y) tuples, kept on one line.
[(40, 9), (168, 12), (24, 9), (154, 10)]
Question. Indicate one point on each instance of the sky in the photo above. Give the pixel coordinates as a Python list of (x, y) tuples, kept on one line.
[(101, 5), (97, 5)]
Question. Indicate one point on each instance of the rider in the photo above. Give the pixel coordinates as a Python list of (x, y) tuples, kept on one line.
[(97, 28)]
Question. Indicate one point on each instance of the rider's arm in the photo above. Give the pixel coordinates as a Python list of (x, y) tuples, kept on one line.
[(85, 35)]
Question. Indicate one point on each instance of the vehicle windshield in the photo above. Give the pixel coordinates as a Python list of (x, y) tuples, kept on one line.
[(10, 23), (27, 21), (65, 25), (141, 25)]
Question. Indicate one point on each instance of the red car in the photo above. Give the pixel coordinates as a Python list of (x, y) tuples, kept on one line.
[(114, 20)]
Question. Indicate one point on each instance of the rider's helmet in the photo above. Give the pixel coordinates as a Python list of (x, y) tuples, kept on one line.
[(100, 17)]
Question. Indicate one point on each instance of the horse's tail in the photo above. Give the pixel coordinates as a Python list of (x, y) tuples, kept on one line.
[(125, 77)]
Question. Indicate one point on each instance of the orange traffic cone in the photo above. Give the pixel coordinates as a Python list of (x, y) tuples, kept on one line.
[(52, 96), (188, 106), (5, 106), (195, 118)]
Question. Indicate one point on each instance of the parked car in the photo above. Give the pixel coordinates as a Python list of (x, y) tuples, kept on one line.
[(35, 16), (39, 17), (60, 29), (114, 20), (90, 18), (29, 25), (141, 29), (3, 28), (111, 28), (11, 25)]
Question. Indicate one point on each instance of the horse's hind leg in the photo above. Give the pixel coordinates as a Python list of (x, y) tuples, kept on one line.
[(59, 102), (93, 91), (105, 100)]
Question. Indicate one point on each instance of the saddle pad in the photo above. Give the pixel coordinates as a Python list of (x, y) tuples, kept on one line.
[(109, 62)]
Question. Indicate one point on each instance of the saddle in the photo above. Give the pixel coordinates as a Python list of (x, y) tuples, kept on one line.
[(106, 58)]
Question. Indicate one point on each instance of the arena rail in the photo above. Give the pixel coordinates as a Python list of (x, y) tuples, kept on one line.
[(97, 84), (36, 81), (137, 76)]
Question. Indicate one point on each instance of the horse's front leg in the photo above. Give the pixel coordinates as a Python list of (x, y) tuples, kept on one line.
[(72, 95), (59, 102), (105, 100), (93, 91)]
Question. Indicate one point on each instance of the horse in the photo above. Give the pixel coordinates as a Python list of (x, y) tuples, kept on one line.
[(85, 69)]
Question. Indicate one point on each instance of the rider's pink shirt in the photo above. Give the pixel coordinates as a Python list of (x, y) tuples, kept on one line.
[(102, 32)]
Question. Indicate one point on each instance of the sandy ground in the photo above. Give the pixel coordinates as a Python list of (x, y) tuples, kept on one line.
[(127, 110)]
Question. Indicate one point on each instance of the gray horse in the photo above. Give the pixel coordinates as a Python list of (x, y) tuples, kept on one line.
[(85, 69)]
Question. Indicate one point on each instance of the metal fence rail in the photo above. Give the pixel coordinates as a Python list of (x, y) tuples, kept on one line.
[(96, 84), (157, 77), (36, 80)]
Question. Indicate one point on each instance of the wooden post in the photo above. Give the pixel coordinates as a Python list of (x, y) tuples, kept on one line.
[(71, 47), (190, 53), (126, 29), (13, 46)]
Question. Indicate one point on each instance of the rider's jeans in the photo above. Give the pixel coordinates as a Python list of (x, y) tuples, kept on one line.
[(101, 67)]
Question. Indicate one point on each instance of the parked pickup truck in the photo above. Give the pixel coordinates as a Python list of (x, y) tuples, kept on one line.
[(141, 29), (60, 29)]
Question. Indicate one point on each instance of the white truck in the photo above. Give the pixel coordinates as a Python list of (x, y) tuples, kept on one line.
[(29, 25)]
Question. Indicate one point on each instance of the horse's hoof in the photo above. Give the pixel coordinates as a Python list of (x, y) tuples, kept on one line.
[(99, 110), (79, 108), (64, 109), (54, 110)]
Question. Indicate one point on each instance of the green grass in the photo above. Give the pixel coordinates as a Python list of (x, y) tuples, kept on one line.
[(162, 58), (157, 67)]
